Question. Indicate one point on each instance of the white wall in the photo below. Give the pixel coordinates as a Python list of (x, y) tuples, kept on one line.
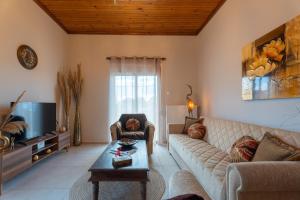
[(23, 22), (220, 44), (91, 51)]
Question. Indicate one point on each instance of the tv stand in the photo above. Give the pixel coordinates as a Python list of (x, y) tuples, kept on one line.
[(17, 160), (27, 142)]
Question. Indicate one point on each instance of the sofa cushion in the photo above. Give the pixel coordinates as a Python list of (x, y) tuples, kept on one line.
[(135, 135), (196, 131), (243, 149), (272, 148), (207, 163), (190, 121)]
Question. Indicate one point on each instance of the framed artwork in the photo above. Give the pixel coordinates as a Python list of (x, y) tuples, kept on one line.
[(271, 64)]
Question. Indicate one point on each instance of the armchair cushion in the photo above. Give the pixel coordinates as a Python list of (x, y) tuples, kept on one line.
[(132, 124), (140, 117), (135, 135)]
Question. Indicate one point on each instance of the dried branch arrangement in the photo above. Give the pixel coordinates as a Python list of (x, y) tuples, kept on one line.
[(66, 95), (75, 81), (12, 127)]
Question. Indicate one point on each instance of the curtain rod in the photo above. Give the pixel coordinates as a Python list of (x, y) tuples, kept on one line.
[(117, 57)]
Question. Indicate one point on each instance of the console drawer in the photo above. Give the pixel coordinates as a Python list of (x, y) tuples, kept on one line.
[(16, 162), (64, 140)]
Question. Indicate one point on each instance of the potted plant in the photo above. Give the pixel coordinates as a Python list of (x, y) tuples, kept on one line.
[(9, 126)]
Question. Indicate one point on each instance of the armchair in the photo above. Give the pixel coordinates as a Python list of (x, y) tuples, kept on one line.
[(144, 132)]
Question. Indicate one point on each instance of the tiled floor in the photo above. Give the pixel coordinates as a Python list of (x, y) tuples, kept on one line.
[(52, 178)]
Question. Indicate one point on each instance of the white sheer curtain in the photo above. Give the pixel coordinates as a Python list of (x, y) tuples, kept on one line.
[(136, 86)]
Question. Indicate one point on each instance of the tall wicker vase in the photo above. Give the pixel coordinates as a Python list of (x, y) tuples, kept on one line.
[(77, 127)]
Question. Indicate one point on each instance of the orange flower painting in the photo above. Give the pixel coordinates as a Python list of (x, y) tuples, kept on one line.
[(271, 64)]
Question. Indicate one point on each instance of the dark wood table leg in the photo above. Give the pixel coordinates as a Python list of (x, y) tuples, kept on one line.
[(143, 189), (95, 190)]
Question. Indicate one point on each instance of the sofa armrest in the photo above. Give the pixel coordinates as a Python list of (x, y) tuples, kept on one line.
[(115, 130), (263, 180), (175, 128)]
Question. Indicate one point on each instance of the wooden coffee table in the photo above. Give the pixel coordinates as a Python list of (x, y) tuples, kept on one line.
[(103, 170)]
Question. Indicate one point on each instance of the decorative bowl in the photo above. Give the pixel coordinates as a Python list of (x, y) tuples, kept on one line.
[(127, 142)]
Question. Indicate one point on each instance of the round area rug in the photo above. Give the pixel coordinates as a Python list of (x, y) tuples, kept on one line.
[(82, 189)]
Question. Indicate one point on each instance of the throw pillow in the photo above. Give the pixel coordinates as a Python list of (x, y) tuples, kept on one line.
[(189, 121), (197, 131), (132, 124), (272, 148), (187, 197), (243, 149)]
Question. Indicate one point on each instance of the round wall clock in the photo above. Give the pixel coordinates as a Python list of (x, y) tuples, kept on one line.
[(27, 57)]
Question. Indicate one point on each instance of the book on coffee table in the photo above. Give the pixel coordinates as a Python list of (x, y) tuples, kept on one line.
[(121, 161)]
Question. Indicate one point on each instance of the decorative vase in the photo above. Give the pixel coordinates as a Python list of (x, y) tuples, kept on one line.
[(62, 129), (77, 127), (35, 157), (5, 142)]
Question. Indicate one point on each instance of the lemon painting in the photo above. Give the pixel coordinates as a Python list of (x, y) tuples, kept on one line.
[(271, 64)]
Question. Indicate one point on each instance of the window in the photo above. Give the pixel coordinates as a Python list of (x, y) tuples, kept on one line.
[(135, 94), (136, 86)]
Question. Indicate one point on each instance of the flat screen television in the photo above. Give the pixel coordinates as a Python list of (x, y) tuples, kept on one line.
[(40, 118)]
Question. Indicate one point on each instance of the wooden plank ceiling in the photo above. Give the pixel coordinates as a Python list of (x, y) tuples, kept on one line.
[(131, 17)]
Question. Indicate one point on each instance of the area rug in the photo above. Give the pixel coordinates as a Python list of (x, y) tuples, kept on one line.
[(82, 189)]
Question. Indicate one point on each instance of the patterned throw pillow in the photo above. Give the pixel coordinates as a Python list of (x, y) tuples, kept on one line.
[(243, 149), (197, 131), (132, 124), (189, 121)]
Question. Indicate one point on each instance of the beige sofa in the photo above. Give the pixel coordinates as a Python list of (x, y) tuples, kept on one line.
[(208, 160)]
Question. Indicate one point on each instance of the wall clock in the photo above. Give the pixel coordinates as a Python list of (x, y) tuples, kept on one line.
[(27, 57)]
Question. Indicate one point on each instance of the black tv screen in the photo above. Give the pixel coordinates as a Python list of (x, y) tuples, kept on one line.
[(40, 118)]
